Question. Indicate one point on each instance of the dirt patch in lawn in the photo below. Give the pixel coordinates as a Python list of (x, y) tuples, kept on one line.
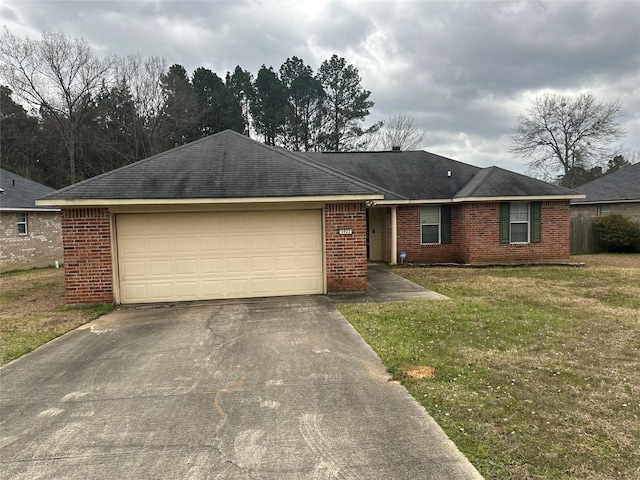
[(420, 371)]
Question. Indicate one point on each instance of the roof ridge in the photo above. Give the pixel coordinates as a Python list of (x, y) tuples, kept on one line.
[(300, 157), (475, 181), (73, 186), (349, 177)]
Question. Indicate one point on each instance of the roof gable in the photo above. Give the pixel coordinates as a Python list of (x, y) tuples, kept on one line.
[(497, 182), (19, 192), (622, 185), (224, 165)]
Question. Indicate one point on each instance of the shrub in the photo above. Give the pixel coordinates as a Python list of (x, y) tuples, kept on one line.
[(618, 233)]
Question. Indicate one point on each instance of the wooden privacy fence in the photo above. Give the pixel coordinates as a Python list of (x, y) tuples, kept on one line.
[(583, 238)]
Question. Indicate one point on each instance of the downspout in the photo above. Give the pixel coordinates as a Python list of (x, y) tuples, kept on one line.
[(394, 236)]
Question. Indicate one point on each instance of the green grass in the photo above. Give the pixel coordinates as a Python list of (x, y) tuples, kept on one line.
[(536, 368), (33, 311)]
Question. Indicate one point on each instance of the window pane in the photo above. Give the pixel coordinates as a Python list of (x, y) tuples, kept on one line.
[(21, 220), (604, 210), (430, 214), (430, 234), (519, 212), (519, 232)]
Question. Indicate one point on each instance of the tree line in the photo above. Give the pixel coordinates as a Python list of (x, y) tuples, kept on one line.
[(88, 115)]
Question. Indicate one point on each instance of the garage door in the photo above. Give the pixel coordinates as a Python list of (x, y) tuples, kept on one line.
[(194, 256)]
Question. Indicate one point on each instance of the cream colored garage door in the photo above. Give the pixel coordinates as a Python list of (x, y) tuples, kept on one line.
[(194, 256)]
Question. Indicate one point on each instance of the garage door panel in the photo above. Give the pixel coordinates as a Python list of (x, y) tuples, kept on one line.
[(190, 256), (159, 245), (131, 269), (261, 264), (260, 242), (212, 266), (210, 243), (186, 290), (236, 243), (284, 240), (309, 262), (133, 246), (160, 292), (186, 266), (157, 268), (184, 245), (135, 293)]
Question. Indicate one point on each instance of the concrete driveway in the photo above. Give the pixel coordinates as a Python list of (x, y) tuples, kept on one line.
[(263, 389)]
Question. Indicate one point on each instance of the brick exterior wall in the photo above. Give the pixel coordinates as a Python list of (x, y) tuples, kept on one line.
[(631, 210), (41, 246), (475, 236), (86, 235), (346, 255), (409, 238)]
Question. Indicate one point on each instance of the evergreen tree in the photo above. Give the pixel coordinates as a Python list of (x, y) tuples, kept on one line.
[(346, 104), (305, 97), (269, 106)]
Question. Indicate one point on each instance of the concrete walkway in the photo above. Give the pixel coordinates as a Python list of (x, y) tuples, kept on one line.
[(263, 389), (385, 286)]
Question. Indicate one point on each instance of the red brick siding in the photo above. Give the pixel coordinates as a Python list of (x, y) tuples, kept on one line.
[(346, 255), (479, 235), (41, 246), (86, 236), (475, 235), (409, 238)]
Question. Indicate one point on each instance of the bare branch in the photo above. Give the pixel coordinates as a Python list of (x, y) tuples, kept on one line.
[(560, 133)]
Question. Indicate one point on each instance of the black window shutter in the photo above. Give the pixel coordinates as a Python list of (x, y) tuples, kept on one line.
[(445, 223), (536, 222), (504, 222)]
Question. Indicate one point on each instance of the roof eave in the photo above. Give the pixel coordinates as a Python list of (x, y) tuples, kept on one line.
[(28, 209), (441, 201), (105, 202), (598, 202), (516, 198)]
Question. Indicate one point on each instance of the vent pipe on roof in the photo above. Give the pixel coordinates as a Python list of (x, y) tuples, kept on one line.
[(395, 148), (448, 173)]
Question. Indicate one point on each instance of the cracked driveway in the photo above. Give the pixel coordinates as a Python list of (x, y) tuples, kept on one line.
[(259, 389)]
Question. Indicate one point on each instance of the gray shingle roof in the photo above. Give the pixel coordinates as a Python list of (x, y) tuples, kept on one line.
[(410, 175), (422, 175), (623, 185), (20, 192), (497, 182), (229, 165), (224, 165)]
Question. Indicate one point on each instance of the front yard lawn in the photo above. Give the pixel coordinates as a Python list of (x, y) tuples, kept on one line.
[(33, 311), (532, 372)]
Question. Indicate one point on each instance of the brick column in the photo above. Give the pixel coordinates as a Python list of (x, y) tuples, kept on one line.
[(346, 254), (88, 271)]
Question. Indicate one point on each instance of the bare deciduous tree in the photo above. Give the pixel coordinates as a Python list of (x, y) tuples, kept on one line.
[(143, 79), (561, 133), (401, 131), (58, 75)]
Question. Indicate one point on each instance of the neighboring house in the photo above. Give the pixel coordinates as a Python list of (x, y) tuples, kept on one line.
[(617, 192), (30, 235), (227, 217)]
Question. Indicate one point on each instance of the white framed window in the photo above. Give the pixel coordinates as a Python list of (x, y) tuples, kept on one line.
[(430, 224), (519, 222), (21, 221), (604, 209)]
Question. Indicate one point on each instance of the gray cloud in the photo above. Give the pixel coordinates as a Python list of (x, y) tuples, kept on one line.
[(465, 70)]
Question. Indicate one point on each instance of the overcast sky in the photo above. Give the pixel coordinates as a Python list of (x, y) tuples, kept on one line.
[(464, 70)]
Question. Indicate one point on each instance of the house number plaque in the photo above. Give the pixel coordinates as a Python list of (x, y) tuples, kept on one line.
[(346, 231)]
